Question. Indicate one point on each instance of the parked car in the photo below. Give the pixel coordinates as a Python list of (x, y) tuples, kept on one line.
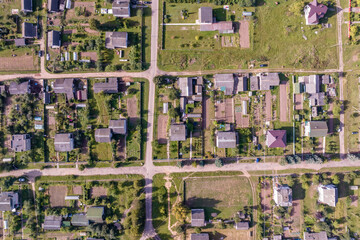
[(354, 132), (40, 53), (263, 65), (147, 2), (258, 160)]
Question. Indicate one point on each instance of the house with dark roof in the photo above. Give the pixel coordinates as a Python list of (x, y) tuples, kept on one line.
[(276, 138), (312, 83), (328, 194), (79, 220), (66, 86), (116, 40), (226, 139), (225, 83), (177, 132), (53, 5), (242, 226), (9, 201), (64, 142), (316, 128), (314, 11), (111, 86), (315, 236), (95, 214), (19, 88), (20, 42), (81, 95), (268, 80), (242, 84), (118, 126), (207, 22), (254, 83), (206, 15), (20, 142), (282, 195), (199, 236), (54, 39), (317, 99), (186, 86), (103, 135), (121, 8), (326, 79), (52, 223), (29, 30), (197, 218), (26, 6)]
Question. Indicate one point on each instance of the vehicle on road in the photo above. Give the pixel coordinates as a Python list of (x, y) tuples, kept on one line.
[(263, 65), (258, 160)]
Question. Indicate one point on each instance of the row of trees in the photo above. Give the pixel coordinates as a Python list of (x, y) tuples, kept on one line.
[(241, 3)]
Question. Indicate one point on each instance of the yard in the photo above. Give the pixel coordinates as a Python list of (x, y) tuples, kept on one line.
[(286, 49), (19, 60)]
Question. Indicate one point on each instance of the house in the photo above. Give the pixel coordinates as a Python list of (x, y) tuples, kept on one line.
[(226, 140), (52, 222), (276, 138), (111, 86), (328, 194), (53, 5), (103, 135), (79, 220), (277, 237), (3, 89), (26, 6), (268, 80), (241, 226), (254, 83), (20, 142), (242, 85), (199, 236), (64, 86), (312, 83), (19, 88), (225, 82), (315, 236), (206, 15), (118, 126), (316, 128), (314, 11), (116, 40), (317, 99), (81, 95), (64, 142), (121, 8), (282, 195), (20, 42), (177, 132), (72, 197), (95, 214), (298, 88), (186, 86), (197, 218), (9, 201), (29, 30), (54, 39), (326, 79)]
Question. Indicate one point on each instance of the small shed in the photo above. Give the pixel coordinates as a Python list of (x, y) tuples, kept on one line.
[(165, 108)]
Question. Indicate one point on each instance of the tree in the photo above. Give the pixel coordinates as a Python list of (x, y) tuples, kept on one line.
[(247, 3), (335, 179), (316, 179), (197, 230), (218, 162), (296, 8), (180, 212), (290, 180), (174, 93)]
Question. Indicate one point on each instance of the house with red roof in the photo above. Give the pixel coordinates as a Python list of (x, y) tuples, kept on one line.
[(314, 11), (276, 138)]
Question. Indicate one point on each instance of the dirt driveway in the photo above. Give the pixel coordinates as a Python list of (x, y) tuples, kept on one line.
[(161, 131), (244, 34), (224, 111), (283, 102)]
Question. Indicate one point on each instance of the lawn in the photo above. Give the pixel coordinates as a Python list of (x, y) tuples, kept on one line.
[(276, 38), (102, 151), (222, 195), (104, 116)]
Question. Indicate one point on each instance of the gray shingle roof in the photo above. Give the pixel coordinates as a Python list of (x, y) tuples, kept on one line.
[(54, 39), (64, 86), (111, 86), (177, 132), (317, 99), (53, 5), (20, 42), (226, 139), (64, 142), (205, 15), (242, 225), (8, 200), (21, 88), (254, 83), (225, 82), (79, 220), (268, 80), (118, 126), (186, 86), (197, 217), (116, 40), (315, 236), (199, 236), (26, 5), (121, 8), (20, 142), (242, 84), (52, 222), (29, 30), (103, 135), (316, 128)]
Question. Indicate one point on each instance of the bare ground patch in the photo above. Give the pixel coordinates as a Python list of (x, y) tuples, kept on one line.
[(92, 55), (299, 102), (24, 63), (132, 109), (266, 197), (98, 192), (244, 34), (77, 190), (161, 131), (57, 196), (224, 111), (121, 148), (268, 106), (283, 102)]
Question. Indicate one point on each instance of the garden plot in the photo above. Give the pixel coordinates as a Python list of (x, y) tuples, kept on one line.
[(88, 8), (161, 130), (266, 196), (132, 110), (224, 111), (57, 196), (98, 192), (77, 190), (284, 102), (222, 195), (299, 99), (244, 34), (268, 106)]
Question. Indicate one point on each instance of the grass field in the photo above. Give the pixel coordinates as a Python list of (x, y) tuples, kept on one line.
[(103, 151), (276, 38), (223, 195)]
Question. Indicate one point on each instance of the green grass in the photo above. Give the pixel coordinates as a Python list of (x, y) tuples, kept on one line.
[(103, 117), (102, 151), (276, 39)]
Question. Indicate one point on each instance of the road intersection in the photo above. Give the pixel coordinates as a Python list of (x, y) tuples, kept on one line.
[(149, 170)]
